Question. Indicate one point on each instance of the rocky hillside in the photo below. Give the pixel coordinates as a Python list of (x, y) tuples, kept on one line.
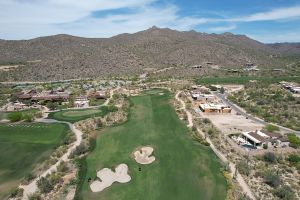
[(286, 48), (68, 57)]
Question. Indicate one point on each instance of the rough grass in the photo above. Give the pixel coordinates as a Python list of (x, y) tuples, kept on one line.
[(22, 147), (31, 111), (183, 169), (79, 114)]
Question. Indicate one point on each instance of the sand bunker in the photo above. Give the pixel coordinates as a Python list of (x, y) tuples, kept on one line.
[(143, 155), (108, 177)]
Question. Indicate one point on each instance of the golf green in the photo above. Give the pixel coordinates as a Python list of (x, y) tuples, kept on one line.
[(22, 147), (79, 114), (183, 169)]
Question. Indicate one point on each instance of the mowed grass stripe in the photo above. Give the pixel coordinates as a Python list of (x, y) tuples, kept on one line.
[(79, 114), (183, 169), (31, 133), (23, 148)]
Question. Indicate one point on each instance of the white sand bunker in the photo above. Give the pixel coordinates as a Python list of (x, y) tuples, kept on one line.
[(108, 177), (143, 155)]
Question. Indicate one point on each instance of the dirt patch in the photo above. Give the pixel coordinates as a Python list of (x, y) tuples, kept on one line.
[(7, 68), (233, 123)]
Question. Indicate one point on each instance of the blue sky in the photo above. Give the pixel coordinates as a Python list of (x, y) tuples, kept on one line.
[(264, 20)]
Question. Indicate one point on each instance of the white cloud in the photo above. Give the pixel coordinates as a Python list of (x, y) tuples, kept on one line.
[(129, 23), (23, 19), (27, 19), (275, 14), (222, 28)]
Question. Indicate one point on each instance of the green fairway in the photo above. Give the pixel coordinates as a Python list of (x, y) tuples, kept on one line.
[(245, 79), (79, 114), (22, 147), (183, 168)]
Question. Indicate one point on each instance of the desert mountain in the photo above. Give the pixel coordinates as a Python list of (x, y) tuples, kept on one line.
[(286, 48), (67, 57)]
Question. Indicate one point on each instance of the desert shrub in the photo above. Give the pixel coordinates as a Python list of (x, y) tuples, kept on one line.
[(271, 128), (213, 88), (265, 146), (62, 167), (210, 131), (206, 121), (28, 117), (29, 177), (111, 108), (294, 158), (38, 115), (44, 185), (285, 192), (222, 90), (34, 196), (54, 178), (81, 149), (52, 105), (294, 140), (68, 139), (272, 179), (270, 157), (244, 197), (16, 192), (14, 116), (205, 143), (243, 168), (194, 129)]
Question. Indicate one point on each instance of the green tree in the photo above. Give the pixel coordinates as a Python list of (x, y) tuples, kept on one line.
[(14, 116), (52, 105)]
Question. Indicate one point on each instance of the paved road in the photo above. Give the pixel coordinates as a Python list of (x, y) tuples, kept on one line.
[(41, 82), (251, 117), (234, 173)]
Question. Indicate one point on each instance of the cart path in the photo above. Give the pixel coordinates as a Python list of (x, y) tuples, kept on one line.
[(238, 177), (189, 115), (32, 186)]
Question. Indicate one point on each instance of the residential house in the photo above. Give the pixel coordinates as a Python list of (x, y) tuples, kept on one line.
[(51, 95), (81, 102), (259, 138), (26, 95), (214, 108), (203, 98)]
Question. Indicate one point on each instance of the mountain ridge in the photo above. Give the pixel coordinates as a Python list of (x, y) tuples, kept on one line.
[(65, 56)]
